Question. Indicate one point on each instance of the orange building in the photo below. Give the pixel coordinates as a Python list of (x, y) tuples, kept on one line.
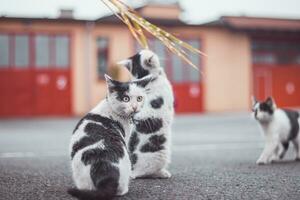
[(55, 66)]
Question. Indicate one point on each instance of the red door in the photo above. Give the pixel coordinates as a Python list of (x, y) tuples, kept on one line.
[(52, 75), (280, 82), (34, 75), (277, 69)]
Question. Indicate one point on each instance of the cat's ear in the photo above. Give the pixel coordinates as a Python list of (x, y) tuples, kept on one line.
[(270, 102), (110, 82), (126, 63), (149, 60), (254, 101), (143, 82)]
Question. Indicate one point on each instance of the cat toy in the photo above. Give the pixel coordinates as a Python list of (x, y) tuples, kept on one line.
[(137, 24)]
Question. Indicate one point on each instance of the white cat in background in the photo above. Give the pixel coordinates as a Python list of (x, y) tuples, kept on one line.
[(280, 127)]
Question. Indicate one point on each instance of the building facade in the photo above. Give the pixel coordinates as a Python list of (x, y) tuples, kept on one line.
[(55, 67)]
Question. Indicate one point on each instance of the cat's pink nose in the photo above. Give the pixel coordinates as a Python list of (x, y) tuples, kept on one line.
[(134, 109)]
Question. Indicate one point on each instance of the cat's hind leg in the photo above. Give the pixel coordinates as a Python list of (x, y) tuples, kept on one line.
[(296, 143), (151, 165), (282, 149)]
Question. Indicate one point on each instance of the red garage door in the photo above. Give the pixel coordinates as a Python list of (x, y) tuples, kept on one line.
[(34, 74), (185, 80), (277, 70)]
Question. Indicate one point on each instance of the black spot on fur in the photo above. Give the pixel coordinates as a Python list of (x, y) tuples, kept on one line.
[(133, 159), (157, 103), (112, 141), (150, 125), (143, 82), (136, 69), (77, 125), (109, 131), (105, 121), (154, 144), (293, 118), (83, 142), (155, 78), (105, 177), (133, 142), (120, 88), (285, 146)]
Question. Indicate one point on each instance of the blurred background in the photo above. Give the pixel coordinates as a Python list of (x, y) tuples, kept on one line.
[(53, 54)]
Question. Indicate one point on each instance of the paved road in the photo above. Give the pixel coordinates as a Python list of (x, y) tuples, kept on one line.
[(213, 158)]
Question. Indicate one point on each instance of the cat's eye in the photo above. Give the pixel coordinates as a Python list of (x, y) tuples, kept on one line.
[(126, 99), (139, 98)]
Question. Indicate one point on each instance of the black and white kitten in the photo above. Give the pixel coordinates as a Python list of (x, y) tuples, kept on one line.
[(149, 144), (100, 162), (280, 127)]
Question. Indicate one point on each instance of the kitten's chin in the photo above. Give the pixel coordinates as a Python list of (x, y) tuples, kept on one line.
[(263, 121)]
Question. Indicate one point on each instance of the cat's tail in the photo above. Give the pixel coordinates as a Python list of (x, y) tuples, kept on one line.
[(105, 194)]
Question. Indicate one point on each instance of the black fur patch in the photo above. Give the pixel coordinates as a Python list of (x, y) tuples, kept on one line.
[(120, 88), (285, 146), (105, 176), (137, 70), (293, 118), (157, 103), (150, 125), (154, 144), (133, 159), (109, 131), (77, 125), (83, 142), (133, 142), (265, 107), (113, 143), (144, 82), (107, 122)]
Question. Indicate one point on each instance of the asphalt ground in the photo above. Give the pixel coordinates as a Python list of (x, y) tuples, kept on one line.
[(213, 157)]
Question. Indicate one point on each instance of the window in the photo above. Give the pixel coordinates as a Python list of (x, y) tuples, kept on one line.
[(4, 51), (194, 76), (177, 70), (21, 51), (159, 49), (102, 56), (275, 51), (181, 70), (61, 51), (42, 57)]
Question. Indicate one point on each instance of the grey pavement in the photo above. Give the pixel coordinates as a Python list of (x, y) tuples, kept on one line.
[(213, 158)]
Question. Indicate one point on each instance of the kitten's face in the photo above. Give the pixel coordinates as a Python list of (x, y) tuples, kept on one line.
[(127, 98), (142, 64), (263, 111)]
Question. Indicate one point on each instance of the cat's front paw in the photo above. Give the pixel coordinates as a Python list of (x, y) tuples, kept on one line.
[(262, 162), (133, 176), (163, 174)]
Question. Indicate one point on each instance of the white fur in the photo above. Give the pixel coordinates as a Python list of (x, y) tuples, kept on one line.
[(276, 129)]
